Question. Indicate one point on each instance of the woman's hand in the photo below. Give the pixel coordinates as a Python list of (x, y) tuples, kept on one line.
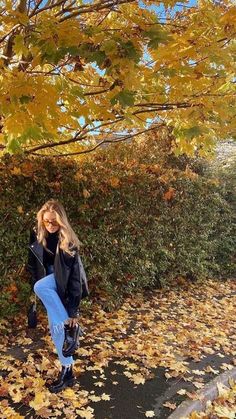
[(72, 321)]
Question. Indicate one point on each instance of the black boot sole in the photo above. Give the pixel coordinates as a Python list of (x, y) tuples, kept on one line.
[(69, 383)]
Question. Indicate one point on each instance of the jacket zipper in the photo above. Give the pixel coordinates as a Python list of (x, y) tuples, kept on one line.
[(38, 259)]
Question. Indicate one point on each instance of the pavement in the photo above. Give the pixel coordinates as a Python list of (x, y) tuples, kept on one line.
[(110, 391), (209, 392), (129, 401)]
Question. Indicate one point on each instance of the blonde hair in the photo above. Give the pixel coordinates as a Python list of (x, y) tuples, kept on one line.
[(67, 236)]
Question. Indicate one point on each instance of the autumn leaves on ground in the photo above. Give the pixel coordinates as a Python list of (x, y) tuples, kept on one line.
[(174, 328)]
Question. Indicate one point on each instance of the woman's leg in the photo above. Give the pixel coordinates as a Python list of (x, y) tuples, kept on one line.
[(46, 290)]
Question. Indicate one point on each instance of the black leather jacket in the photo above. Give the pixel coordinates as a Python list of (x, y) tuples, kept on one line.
[(67, 269)]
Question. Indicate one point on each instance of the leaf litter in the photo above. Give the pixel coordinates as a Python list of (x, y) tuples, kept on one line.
[(162, 328)]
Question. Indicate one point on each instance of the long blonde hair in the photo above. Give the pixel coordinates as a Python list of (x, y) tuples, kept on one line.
[(67, 236)]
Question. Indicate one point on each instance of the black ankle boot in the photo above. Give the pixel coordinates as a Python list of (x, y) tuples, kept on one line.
[(65, 379)]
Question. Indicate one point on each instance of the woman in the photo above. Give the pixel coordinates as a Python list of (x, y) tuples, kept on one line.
[(57, 271)]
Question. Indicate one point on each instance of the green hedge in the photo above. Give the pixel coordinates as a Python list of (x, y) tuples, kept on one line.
[(134, 236)]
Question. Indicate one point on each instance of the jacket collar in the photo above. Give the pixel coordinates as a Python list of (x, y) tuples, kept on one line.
[(37, 248)]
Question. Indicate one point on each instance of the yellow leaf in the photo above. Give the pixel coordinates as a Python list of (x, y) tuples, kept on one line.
[(190, 174), (11, 413), (85, 413), (128, 374), (225, 366), (138, 379), (45, 364), (170, 405), (198, 385), (224, 412), (79, 176), (99, 384), (95, 398), (149, 414), (210, 369), (16, 394), (44, 412), (182, 391), (39, 401), (222, 390), (69, 393), (2, 138), (105, 396), (86, 193), (20, 210), (19, 46), (16, 171), (131, 366), (198, 372), (114, 181)]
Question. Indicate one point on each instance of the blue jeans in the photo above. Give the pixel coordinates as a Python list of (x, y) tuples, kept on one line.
[(45, 288)]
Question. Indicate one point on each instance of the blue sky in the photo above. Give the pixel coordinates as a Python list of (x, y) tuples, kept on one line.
[(159, 8)]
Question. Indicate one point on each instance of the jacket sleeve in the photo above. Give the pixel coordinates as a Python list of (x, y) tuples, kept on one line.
[(31, 263), (74, 289)]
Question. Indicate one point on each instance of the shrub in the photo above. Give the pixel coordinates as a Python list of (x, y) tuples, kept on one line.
[(143, 217)]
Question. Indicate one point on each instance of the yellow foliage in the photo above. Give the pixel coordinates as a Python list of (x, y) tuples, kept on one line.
[(65, 73), (40, 400)]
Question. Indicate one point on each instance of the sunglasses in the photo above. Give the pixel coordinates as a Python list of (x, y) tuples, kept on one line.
[(53, 223)]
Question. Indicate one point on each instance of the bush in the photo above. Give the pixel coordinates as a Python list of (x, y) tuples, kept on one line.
[(143, 217)]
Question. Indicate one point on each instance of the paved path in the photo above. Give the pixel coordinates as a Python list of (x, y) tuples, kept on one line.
[(158, 394)]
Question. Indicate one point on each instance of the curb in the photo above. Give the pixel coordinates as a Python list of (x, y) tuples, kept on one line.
[(209, 392)]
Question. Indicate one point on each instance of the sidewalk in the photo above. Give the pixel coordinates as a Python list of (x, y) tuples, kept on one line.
[(140, 361), (215, 389)]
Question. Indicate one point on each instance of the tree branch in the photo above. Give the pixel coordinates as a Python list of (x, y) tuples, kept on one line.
[(77, 137), (36, 11), (95, 8), (82, 134), (114, 140)]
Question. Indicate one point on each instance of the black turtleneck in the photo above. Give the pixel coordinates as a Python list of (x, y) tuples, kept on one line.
[(52, 240)]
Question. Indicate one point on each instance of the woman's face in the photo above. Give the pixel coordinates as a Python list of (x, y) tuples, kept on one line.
[(50, 222)]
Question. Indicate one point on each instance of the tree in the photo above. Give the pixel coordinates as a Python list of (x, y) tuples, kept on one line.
[(75, 75)]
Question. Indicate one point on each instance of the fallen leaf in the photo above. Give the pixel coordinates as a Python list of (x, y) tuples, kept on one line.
[(39, 401), (99, 384), (171, 406), (149, 414), (105, 396), (182, 391), (95, 398), (44, 412), (85, 413)]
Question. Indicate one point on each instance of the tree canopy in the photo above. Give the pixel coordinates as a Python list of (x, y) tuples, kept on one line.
[(76, 74)]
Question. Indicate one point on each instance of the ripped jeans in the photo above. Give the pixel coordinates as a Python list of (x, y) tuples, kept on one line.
[(45, 288)]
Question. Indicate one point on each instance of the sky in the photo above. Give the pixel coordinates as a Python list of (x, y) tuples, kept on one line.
[(159, 8)]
